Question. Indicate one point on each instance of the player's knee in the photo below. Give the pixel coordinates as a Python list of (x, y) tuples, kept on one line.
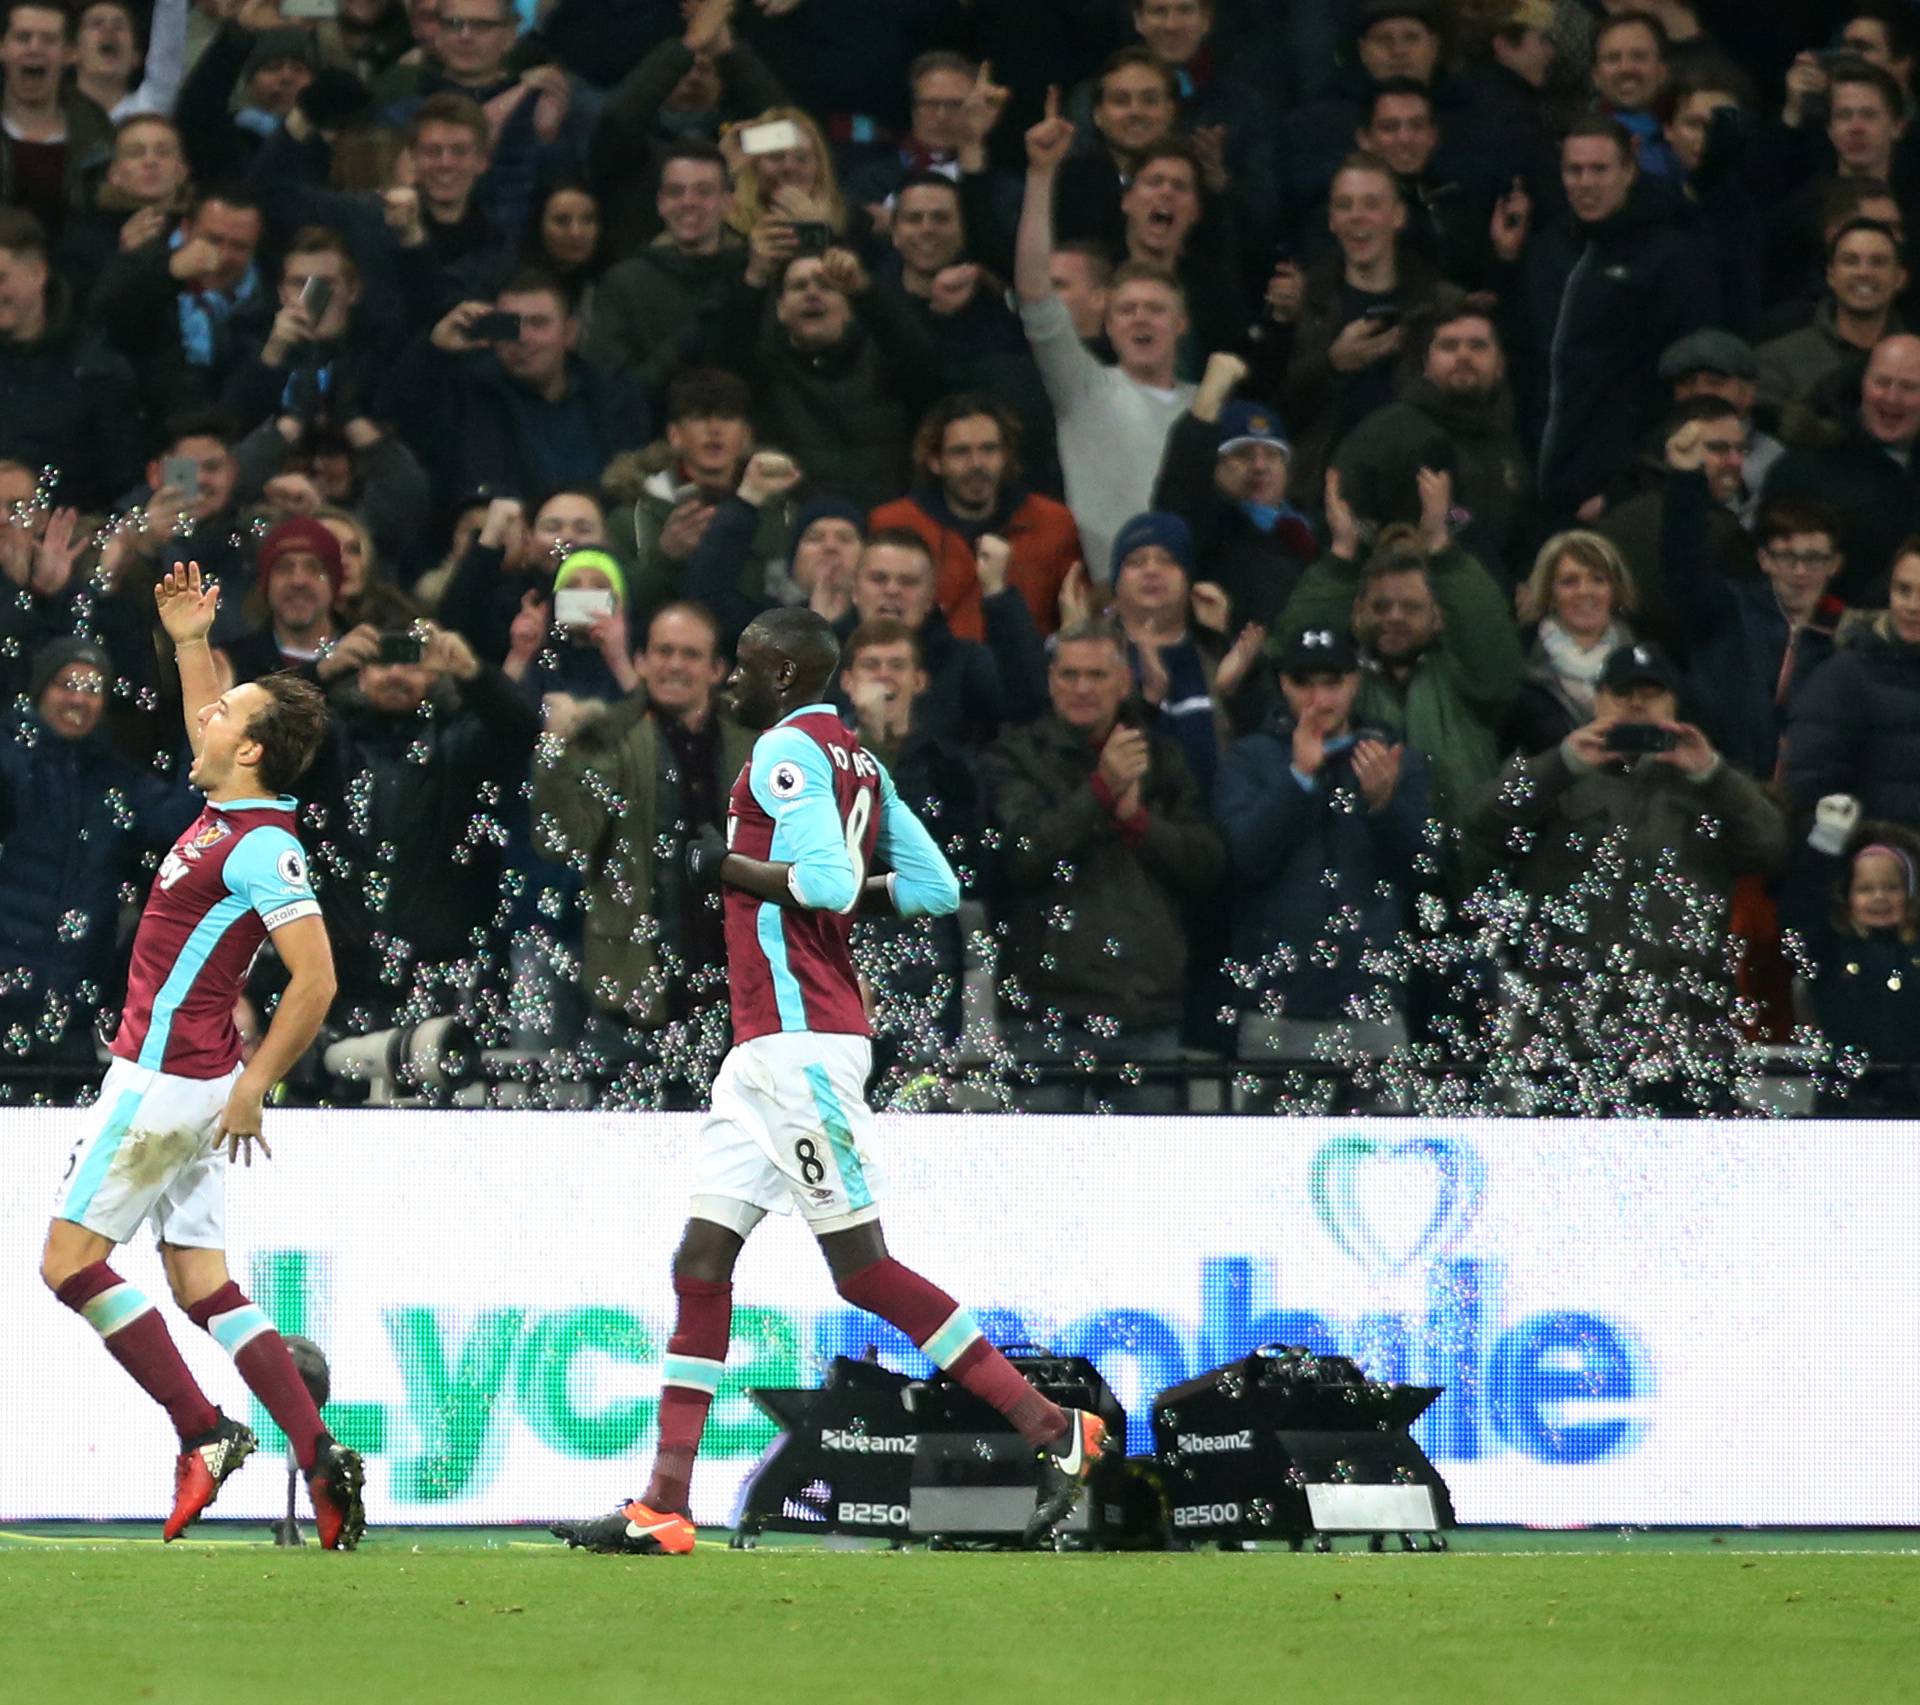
[(55, 1270)]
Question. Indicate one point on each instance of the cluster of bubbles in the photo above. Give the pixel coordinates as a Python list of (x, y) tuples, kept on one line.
[(1530, 1003)]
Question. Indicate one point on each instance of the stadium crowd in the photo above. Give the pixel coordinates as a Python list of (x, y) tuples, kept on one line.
[(1383, 538)]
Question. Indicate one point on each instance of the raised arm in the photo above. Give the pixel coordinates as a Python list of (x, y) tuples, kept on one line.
[(187, 609), (1047, 145)]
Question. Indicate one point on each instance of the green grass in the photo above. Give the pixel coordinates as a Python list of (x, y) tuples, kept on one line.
[(484, 1618)]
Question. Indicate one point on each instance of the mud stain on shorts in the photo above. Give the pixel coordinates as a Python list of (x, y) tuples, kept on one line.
[(148, 1158)]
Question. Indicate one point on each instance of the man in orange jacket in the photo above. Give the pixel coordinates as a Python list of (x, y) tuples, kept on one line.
[(968, 452)]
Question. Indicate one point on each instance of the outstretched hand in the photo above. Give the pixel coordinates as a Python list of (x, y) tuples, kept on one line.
[(186, 607)]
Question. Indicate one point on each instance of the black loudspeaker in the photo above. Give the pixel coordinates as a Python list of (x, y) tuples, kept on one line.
[(1284, 1444), (843, 1462), (877, 1454), (974, 1478)]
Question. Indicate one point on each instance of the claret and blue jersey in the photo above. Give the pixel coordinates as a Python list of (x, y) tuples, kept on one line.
[(814, 798), (237, 873)]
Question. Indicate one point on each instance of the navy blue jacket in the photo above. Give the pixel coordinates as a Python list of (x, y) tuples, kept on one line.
[(75, 817), (1856, 729), (1737, 638), (474, 425), (1283, 839)]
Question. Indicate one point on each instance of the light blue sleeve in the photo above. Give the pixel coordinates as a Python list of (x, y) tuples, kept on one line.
[(269, 871), (792, 778), (923, 884)]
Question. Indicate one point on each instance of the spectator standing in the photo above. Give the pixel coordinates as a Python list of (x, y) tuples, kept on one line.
[(1598, 298), (1226, 474), (51, 135), (1352, 312), (405, 864), (916, 966), (1198, 688), (67, 400), (518, 413), (1457, 416), (1858, 921), (1443, 663), (650, 307), (678, 95), (1323, 819), (1630, 992), (1865, 469), (1114, 420), (967, 455), (1855, 729), (1865, 273), (838, 369), (190, 310), (1104, 839), (617, 800), (1578, 606), (973, 688), (76, 821)]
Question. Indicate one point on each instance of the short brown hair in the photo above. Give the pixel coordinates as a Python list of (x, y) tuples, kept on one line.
[(1596, 124), (1145, 272), (881, 630), (902, 539), (1363, 160), (288, 730), (1876, 77), (1135, 56), (21, 233), (323, 240), (1786, 516), (449, 108)]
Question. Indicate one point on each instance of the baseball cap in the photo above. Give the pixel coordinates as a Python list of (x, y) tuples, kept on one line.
[(1709, 352), (1319, 651), (1252, 423), (1631, 665)]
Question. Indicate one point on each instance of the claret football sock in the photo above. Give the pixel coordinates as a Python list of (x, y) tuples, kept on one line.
[(260, 1353), (696, 1356), (137, 1338), (949, 1336)]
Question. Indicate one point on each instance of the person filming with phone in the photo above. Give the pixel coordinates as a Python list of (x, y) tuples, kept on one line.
[(413, 875), (497, 395), (1626, 840)]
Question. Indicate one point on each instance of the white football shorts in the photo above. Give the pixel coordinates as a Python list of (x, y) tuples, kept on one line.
[(149, 1153), (790, 1127)]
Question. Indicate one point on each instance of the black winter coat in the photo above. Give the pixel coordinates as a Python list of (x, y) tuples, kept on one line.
[(1856, 729), (1595, 306), (1095, 918), (402, 846)]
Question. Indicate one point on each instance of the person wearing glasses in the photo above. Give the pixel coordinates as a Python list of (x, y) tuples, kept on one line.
[(1754, 644)]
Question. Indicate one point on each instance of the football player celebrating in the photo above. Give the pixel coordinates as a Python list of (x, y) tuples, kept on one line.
[(790, 1126), (176, 1104)]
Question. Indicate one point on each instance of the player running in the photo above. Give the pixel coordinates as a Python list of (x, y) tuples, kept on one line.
[(790, 1125), (176, 1106)]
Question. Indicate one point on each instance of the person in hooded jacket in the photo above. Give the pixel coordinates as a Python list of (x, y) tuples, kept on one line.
[(76, 820)]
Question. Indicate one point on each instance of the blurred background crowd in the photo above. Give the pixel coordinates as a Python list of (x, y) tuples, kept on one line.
[(1383, 539)]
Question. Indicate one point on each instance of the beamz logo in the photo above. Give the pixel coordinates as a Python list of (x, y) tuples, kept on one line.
[(868, 1444)]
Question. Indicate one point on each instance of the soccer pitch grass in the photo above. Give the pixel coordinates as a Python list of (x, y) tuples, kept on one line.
[(91, 1616)]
